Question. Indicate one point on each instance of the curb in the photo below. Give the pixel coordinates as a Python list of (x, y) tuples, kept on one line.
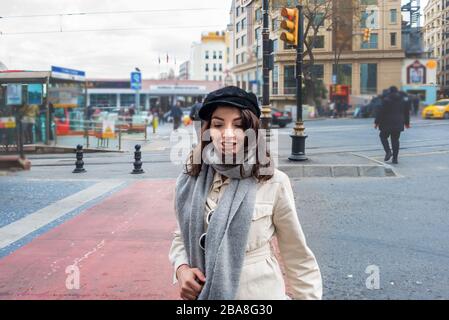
[(43, 149), (336, 171)]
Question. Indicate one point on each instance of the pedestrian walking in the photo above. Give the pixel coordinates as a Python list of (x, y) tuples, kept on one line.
[(30, 113), (194, 116), (229, 213), (177, 114), (391, 118)]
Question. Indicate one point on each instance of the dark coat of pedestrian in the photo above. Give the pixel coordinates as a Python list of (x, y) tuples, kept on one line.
[(176, 113), (196, 108), (391, 118), (194, 115)]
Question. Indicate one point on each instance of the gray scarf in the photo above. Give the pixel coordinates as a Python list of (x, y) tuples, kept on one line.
[(227, 233)]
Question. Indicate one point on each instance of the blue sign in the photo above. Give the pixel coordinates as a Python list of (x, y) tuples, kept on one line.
[(69, 74), (136, 80)]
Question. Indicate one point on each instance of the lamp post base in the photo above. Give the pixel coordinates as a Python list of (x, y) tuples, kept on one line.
[(298, 148)]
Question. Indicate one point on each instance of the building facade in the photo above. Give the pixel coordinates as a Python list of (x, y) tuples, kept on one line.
[(117, 93), (184, 71), (436, 41), (365, 67), (207, 58), (433, 35)]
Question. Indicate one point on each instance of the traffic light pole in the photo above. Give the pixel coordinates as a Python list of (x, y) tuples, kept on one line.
[(266, 109), (298, 136)]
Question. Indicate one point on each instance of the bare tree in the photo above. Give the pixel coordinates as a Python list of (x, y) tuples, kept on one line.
[(339, 16)]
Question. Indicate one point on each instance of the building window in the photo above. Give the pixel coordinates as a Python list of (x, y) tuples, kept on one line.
[(318, 42), (275, 24), (127, 100), (368, 78), (207, 77), (237, 59), (275, 80), (372, 43), (288, 46), (243, 40), (215, 67), (237, 11), (215, 55), (207, 67), (318, 20), (393, 16), (243, 57), (220, 78), (289, 80), (243, 22), (317, 71), (237, 43), (257, 34), (215, 78), (220, 54), (343, 73), (258, 15), (275, 45), (368, 2), (207, 54), (369, 19), (220, 67), (393, 39), (104, 99)]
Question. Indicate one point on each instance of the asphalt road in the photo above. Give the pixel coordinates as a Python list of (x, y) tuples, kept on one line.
[(398, 224)]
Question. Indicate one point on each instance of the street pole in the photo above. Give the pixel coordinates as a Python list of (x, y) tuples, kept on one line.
[(266, 109), (298, 136), (137, 101)]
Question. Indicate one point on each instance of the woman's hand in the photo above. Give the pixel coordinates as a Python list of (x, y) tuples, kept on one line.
[(191, 281)]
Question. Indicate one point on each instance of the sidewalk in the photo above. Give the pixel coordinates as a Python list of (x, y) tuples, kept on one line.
[(120, 247)]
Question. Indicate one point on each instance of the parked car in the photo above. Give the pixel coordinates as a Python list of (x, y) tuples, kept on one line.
[(280, 118), (438, 110)]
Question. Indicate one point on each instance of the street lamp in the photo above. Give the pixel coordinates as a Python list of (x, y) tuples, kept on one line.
[(297, 27), (266, 109)]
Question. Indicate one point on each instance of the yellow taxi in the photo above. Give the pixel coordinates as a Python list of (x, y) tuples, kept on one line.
[(438, 110)]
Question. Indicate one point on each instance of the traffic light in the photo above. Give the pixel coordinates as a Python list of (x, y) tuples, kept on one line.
[(366, 34), (290, 24)]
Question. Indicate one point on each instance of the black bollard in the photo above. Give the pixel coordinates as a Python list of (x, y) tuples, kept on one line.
[(137, 160), (79, 160)]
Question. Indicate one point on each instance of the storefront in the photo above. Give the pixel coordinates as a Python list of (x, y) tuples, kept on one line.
[(114, 94), (419, 79), (35, 106)]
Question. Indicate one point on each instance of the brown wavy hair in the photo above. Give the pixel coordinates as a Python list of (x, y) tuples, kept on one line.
[(249, 121)]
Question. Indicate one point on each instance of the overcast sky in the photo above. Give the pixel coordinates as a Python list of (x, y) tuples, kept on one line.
[(104, 54)]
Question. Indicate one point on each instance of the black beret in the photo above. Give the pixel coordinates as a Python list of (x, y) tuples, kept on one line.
[(229, 96)]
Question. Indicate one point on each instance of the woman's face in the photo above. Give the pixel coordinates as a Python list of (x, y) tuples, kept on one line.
[(226, 130)]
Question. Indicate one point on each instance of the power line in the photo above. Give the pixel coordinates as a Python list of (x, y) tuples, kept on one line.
[(108, 12), (109, 30)]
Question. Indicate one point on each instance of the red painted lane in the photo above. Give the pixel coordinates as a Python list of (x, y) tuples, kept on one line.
[(120, 246)]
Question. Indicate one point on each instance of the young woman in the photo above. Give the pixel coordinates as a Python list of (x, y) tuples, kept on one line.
[(229, 211)]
